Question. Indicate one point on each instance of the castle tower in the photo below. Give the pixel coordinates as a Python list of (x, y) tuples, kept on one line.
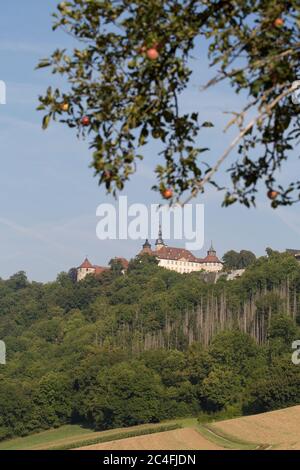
[(211, 251), (146, 247), (159, 242), (84, 269)]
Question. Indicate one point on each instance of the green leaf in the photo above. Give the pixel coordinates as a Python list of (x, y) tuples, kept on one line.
[(46, 121)]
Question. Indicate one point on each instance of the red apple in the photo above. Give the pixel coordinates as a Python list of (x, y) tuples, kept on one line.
[(85, 121), (272, 194), (278, 22), (168, 193), (152, 53)]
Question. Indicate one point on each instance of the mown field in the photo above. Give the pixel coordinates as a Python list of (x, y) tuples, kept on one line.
[(71, 436), (274, 430), (179, 439), (42, 440), (183, 434)]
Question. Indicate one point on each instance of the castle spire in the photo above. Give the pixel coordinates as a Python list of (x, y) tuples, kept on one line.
[(147, 247), (159, 242), (211, 250), (146, 244)]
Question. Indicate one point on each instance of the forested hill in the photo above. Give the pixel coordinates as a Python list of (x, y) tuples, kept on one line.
[(152, 344)]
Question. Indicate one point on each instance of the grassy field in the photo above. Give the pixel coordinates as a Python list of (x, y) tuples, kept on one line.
[(275, 430), (64, 433), (192, 436), (179, 439), (74, 435)]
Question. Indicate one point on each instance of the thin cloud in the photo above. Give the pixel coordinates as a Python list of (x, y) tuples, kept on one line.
[(23, 47), (290, 219), (33, 234)]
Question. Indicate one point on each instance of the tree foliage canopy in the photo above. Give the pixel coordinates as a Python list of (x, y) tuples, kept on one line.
[(129, 97), (77, 352), (234, 260)]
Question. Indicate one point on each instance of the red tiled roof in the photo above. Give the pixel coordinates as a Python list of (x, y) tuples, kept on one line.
[(100, 269), (123, 262), (172, 253), (86, 264), (209, 259), (168, 252)]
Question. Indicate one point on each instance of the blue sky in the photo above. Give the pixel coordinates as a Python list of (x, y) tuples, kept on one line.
[(49, 196)]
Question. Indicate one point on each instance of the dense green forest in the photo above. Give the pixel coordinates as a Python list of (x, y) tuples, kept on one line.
[(119, 350)]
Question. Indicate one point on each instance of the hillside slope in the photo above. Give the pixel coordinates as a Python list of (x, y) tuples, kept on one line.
[(117, 350), (277, 429), (273, 430)]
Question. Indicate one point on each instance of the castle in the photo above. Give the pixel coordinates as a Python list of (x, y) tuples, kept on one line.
[(175, 259), (88, 268), (181, 260)]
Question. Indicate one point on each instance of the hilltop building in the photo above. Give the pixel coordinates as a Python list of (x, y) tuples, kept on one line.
[(172, 258), (88, 268), (180, 259)]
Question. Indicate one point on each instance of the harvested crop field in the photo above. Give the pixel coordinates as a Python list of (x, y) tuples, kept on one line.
[(180, 439), (276, 429)]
